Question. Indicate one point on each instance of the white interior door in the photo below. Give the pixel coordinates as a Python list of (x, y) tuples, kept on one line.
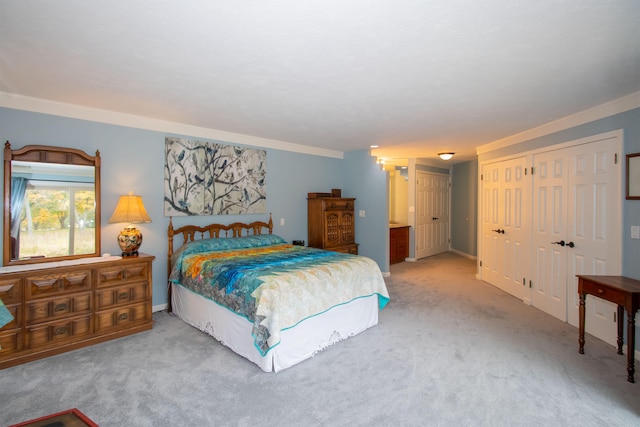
[(594, 229), (516, 226), (422, 217), (432, 214), (549, 290), (492, 254), (577, 202), (505, 226)]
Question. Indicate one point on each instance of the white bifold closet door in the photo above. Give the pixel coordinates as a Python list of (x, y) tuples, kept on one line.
[(576, 230), (505, 225)]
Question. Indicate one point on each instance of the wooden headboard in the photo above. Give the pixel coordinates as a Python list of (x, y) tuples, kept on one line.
[(191, 233)]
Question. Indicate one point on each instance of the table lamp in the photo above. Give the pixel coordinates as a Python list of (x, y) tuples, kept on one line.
[(130, 209)]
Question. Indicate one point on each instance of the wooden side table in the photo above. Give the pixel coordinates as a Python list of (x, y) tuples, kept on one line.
[(619, 290)]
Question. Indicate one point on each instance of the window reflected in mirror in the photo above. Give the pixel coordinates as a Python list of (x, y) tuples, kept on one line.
[(55, 210)]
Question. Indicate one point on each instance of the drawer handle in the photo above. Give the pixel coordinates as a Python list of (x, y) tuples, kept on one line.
[(600, 291), (60, 331), (123, 295), (60, 307), (123, 316)]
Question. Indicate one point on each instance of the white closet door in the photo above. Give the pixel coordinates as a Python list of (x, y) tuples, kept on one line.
[(594, 229), (576, 230), (505, 225), (549, 290), (492, 254)]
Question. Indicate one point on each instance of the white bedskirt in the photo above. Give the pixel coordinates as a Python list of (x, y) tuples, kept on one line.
[(297, 344)]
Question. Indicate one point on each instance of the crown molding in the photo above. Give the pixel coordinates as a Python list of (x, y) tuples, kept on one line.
[(38, 105), (608, 109)]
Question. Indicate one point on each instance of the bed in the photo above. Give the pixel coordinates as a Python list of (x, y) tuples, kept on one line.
[(274, 303)]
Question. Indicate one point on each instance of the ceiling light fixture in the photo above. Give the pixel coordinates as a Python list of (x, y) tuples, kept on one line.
[(446, 156)]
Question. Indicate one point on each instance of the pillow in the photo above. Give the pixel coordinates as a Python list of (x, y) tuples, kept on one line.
[(225, 243), (219, 244)]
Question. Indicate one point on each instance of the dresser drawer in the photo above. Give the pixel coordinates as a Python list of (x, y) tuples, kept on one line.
[(121, 317), (51, 333), (613, 295), (350, 249), (43, 310), (120, 295), (50, 284), (111, 276), (16, 312), (10, 291), (9, 343)]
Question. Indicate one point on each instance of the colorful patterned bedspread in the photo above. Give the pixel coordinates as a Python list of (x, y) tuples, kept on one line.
[(278, 285)]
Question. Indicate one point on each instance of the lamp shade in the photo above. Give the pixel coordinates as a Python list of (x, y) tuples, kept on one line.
[(130, 209)]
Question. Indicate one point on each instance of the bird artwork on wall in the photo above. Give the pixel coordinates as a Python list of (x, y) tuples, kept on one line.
[(206, 178)]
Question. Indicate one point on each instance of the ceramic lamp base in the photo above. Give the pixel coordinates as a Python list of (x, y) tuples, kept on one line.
[(130, 239)]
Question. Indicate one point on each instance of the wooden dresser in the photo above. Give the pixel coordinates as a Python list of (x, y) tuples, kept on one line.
[(331, 223), (73, 305)]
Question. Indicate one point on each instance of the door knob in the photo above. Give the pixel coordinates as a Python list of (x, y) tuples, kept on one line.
[(434, 218), (499, 231), (561, 243), (571, 245)]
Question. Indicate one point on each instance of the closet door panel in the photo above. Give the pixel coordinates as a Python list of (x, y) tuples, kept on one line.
[(492, 255), (505, 225), (549, 290), (595, 230)]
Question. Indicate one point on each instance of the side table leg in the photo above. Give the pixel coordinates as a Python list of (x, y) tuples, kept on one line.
[(631, 344), (581, 329), (620, 328)]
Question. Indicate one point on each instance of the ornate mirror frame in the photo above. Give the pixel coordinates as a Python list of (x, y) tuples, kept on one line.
[(58, 156)]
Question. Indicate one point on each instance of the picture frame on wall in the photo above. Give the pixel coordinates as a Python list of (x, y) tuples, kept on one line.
[(633, 176)]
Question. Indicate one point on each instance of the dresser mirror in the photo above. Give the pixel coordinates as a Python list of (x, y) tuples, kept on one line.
[(51, 204)]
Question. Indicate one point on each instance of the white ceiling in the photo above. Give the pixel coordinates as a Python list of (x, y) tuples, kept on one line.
[(414, 77)]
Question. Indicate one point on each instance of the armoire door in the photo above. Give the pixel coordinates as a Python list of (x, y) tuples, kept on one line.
[(432, 214), (576, 230), (505, 225)]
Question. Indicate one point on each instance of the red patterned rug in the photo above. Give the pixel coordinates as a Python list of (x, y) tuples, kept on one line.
[(69, 418)]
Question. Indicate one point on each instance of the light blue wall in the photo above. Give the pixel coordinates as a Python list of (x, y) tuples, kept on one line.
[(629, 121), (133, 160), (365, 180), (464, 207)]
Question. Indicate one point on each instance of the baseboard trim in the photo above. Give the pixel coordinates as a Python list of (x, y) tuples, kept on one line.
[(466, 255), (159, 307)]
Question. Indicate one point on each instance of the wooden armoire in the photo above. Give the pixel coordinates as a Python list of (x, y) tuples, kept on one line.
[(331, 222)]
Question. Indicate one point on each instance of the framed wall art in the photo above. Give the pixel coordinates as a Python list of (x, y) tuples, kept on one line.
[(206, 178)]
